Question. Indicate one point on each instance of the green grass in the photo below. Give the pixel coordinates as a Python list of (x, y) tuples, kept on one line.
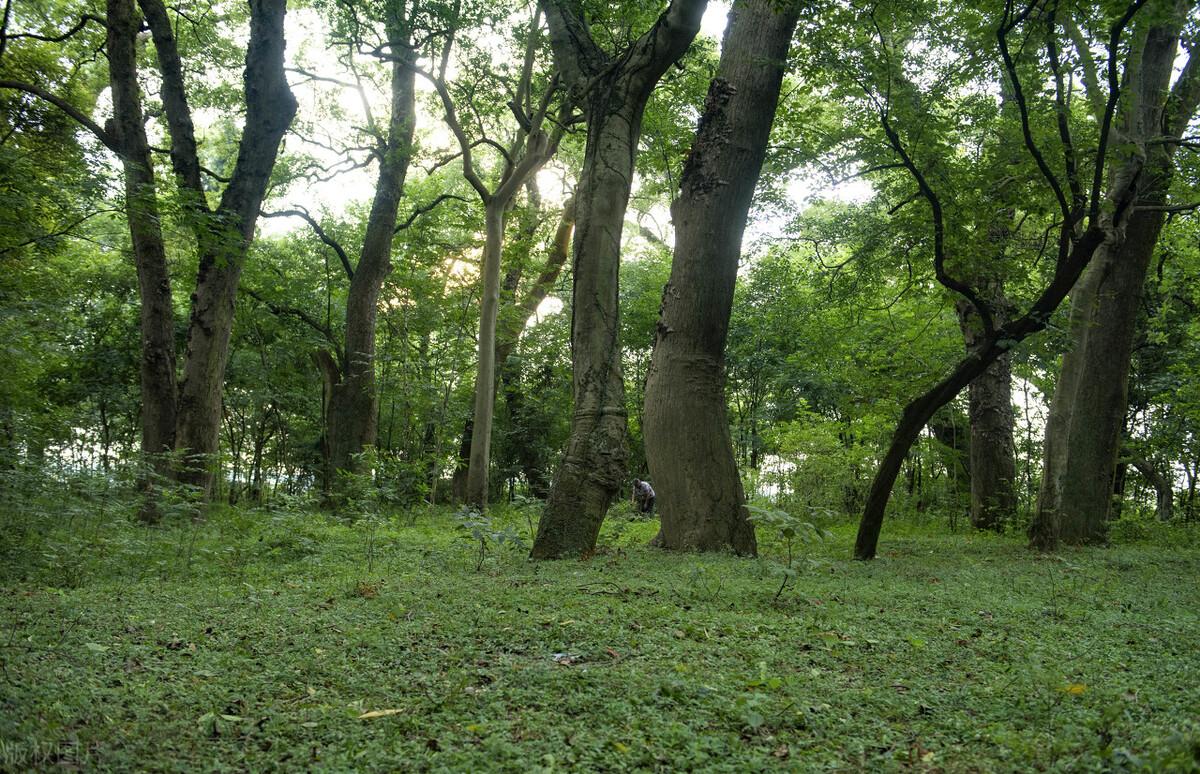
[(261, 642)]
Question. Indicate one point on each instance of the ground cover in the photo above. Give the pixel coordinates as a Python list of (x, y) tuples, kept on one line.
[(294, 641)]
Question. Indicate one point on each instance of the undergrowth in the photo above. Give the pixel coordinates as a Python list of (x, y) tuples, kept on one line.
[(260, 640)]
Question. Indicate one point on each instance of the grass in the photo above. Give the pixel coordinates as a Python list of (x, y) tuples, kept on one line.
[(258, 641)]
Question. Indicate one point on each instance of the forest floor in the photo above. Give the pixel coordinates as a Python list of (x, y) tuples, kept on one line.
[(257, 641)]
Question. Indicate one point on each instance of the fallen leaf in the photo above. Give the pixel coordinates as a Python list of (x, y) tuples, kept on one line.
[(383, 713)]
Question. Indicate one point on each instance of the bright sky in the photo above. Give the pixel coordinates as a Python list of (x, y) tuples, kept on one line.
[(308, 48)]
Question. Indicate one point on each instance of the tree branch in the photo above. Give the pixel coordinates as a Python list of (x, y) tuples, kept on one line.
[(427, 208), (300, 212), (107, 139)]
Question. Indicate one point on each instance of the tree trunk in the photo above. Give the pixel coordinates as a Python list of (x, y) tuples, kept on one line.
[(1164, 490), (157, 318), (485, 375), (593, 467), (688, 448), (1087, 412), (993, 459), (223, 236), (353, 407)]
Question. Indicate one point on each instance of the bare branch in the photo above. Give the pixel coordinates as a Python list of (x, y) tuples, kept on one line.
[(426, 208), (336, 246)]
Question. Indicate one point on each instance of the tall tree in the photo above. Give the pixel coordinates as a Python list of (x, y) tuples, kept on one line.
[(125, 136), (1092, 214), (354, 401), (1088, 410), (686, 426), (223, 234), (613, 90), (532, 146)]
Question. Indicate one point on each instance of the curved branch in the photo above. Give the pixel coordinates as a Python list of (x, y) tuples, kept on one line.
[(939, 231), (106, 138), (427, 208), (333, 244)]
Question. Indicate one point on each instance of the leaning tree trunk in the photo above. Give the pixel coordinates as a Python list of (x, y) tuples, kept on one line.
[(157, 362), (354, 400), (688, 448), (593, 468), (1087, 412)]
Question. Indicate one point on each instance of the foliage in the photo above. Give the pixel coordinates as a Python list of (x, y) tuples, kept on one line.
[(956, 652), (791, 531)]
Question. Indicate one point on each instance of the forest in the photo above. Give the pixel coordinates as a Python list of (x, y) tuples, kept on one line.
[(339, 340)]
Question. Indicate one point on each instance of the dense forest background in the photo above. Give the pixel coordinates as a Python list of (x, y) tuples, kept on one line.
[(356, 289)]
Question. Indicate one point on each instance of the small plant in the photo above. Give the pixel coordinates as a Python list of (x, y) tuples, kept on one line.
[(791, 530), (479, 530)]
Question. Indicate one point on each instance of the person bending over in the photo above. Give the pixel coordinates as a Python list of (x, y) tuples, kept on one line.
[(643, 496)]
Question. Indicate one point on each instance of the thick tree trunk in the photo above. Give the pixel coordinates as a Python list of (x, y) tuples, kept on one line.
[(157, 318), (593, 467), (223, 236), (688, 448), (993, 460), (353, 407), (1087, 412)]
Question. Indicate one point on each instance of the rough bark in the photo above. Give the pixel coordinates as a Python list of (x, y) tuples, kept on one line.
[(157, 319), (223, 236), (992, 452), (1087, 412), (593, 467), (353, 407), (701, 502)]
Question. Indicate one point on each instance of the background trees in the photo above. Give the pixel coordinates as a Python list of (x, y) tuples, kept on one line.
[(924, 188)]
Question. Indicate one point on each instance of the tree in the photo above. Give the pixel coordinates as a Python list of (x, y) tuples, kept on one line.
[(223, 234), (126, 137), (1088, 410), (1092, 214), (532, 146), (686, 426), (613, 90)]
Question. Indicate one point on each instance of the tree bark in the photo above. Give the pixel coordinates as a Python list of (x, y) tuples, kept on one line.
[(686, 426), (156, 313), (485, 374), (992, 452), (1087, 412), (224, 235), (353, 406), (594, 465)]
